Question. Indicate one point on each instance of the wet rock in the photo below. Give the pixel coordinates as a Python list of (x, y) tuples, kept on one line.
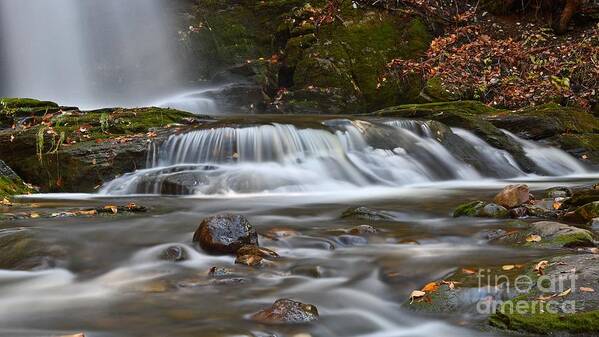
[(493, 211), (580, 198), (366, 214), (583, 214), (280, 233), (363, 230), (481, 209), (287, 311), (493, 234), (518, 212), (253, 256), (257, 251), (308, 270), (469, 209), (174, 254), (220, 272), (513, 196), (563, 319), (225, 234), (540, 212), (352, 240), (249, 260), (557, 192), (549, 234)]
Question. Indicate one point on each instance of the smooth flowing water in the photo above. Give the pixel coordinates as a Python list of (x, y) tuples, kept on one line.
[(108, 279), (91, 53)]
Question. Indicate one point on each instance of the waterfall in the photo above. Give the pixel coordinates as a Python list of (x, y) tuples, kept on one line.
[(551, 160), (90, 53), (343, 154)]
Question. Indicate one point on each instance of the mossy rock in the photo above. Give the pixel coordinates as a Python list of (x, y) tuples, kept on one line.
[(527, 314), (552, 235), (12, 108), (10, 183), (580, 198), (85, 149), (583, 214), (353, 56), (546, 121)]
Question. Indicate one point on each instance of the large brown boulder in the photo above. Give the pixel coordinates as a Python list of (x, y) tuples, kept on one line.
[(225, 234), (513, 196), (287, 311)]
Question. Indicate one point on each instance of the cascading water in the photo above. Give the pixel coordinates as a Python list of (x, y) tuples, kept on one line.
[(282, 158), (89, 53), (550, 160)]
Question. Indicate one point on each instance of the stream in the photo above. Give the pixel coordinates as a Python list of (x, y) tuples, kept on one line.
[(110, 280)]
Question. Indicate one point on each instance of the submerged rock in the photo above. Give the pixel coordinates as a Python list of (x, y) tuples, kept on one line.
[(287, 311), (363, 230), (257, 251), (174, 254), (251, 255), (513, 196), (225, 234), (25, 249), (366, 214)]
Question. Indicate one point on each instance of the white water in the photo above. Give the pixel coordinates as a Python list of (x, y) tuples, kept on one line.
[(343, 155), (89, 53), (551, 160)]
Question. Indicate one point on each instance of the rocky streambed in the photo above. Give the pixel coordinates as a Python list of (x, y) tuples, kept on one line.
[(379, 262)]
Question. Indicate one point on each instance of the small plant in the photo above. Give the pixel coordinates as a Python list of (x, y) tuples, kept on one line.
[(104, 122), (39, 144)]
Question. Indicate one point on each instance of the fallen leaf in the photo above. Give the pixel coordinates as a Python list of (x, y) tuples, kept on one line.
[(545, 298), (416, 294), (564, 293), (430, 287), (533, 238), (595, 250), (587, 290), (5, 202), (541, 266), (468, 271), (508, 267), (112, 208), (88, 212), (34, 215), (450, 284)]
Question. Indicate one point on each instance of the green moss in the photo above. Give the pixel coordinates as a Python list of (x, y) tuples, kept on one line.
[(570, 240), (571, 120), (23, 107), (10, 187), (534, 320), (469, 209), (15, 103), (102, 124)]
